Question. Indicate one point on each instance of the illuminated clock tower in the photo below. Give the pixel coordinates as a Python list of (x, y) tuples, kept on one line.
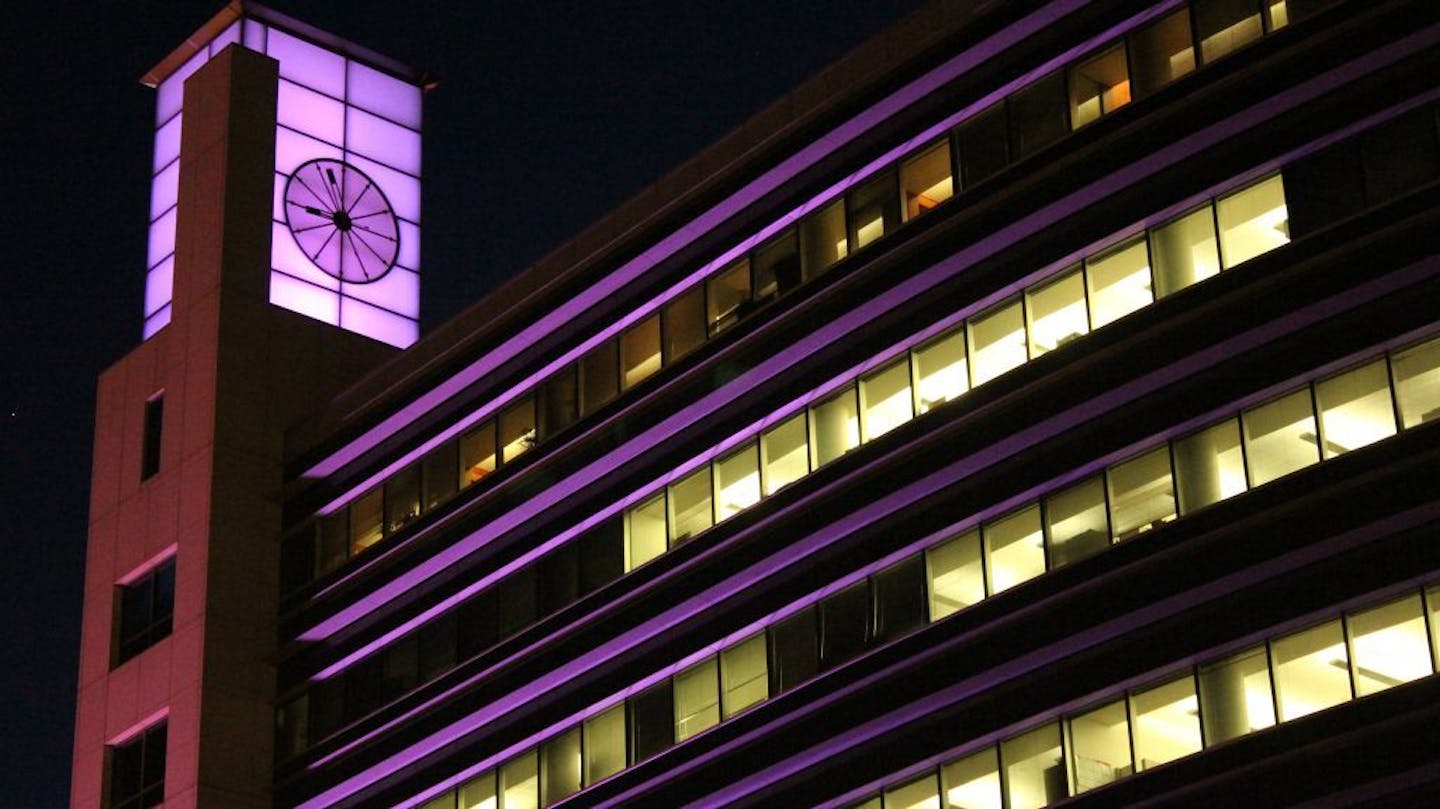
[(283, 263)]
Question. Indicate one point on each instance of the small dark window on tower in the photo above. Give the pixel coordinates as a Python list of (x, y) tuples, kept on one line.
[(137, 771), (147, 605), (150, 452)]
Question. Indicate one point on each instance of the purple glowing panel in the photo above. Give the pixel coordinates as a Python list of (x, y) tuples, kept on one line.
[(398, 288), (293, 150), (384, 95), (167, 143), (162, 238), (156, 322), (164, 190), (306, 299), (377, 138), (286, 257), (230, 36), (372, 321), (171, 91), (409, 247), (307, 64), (310, 113), (158, 282), (403, 190), (254, 35)]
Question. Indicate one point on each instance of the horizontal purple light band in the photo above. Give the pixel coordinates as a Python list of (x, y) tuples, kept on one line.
[(753, 191), (873, 513), (910, 288)]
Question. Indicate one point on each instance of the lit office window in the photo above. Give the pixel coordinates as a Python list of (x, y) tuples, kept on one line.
[(605, 744), (1253, 221), (1280, 437), (1209, 466), (446, 801), (560, 767), (137, 770), (1119, 282), (784, 454), (645, 532), (1057, 313), (1417, 383), (1161, 53), (1355, 408), (1075, 522), (777, 266), (834, 427), (1033, 768), (147, 610), (874, 209), (1224, 26), (1099, 86), (697, 701), (972, 782), (519, 786), (1142, 495), (640, 352), (726, 292), (822, 239), (955, 573), (517, 429), (1165, 722), (940, 371), (366, 515), (477, 454), (402, 498), (744, 677), (1235, 696), (690, 505), (1101, 746), (737, 482), (873, 803), (1014, 548), (1311, 670), (478, 792), (599, 376), (886, 399), (1389, 645), (684, 324), (997, 341), (922, 793), (925, 180), (1184, 251)]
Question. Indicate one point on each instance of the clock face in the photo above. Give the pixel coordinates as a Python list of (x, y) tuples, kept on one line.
[(341, 220)]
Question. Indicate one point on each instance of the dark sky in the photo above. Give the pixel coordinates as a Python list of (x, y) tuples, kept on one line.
[(548, 115)]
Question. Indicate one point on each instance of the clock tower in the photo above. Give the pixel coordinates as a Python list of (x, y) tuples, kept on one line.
[(283, 263)]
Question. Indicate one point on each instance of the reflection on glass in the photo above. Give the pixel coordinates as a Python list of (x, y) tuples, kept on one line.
[(479, 792), (644, 532), (697, 702), (1235, 697), (922, 793), (1098, 87), (1038, 115), (519, 783), (1225, 25), (1161, 53), (365, 520), (1417, 383), (1311, 670), (1034, 771), (605, 744), (684, 324), (1389, 645), (726, 292), (822, 239), (1101, 742), (560, 767), (1014, 549), (517, 429), (940, 371), (1184, 251), (874, 209), (1075, 522), (777, 266), (1119, 282), (1166, 722), (690, 508), (1253, 220), (744, 675), (784, 454), (972, 782), (885, 397), (1142, 496), (1209, 466), (1355, 408), (640, 352), (956, 576), (1057, 313), (997, 341), (1280, 437), (834, 427), (925, 180), (737, 482)]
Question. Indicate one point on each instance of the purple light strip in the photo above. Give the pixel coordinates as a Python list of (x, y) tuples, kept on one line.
[(869, 514), (910, 288), (667, 247)]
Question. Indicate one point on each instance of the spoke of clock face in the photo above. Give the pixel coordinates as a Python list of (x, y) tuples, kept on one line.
[(360, 196), (356, 237), (376, 233), (306, 186), (326, 224), (321, 248), (310, 209), (381, 212), (360, 260), (330, 201)]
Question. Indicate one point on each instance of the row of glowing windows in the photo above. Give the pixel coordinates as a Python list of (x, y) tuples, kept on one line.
[(1123, 501), (1099, 290), (991, 140), (1360, 653)]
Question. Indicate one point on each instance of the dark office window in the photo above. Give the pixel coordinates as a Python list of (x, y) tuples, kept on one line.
[(137, 770), (515, 601), (794, 651), (684, 324), (292, 727), (559, 402), (1037, 115), (297, 560), (602, 555), (1400, 155), (599, 376), (777, 266), (440, 478), (559, 578), (327, 707), (147, 606), (844, 624), (437, 647), (1296, 10), (984, 145), (1161, 53), (476, 625), (652, 722), (1324, 188), (874, 209), (402, 499), (899, 598), (333, 543), (150, 449), (365, 687)]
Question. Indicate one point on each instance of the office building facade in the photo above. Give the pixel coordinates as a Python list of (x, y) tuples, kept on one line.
[(1036, 407)]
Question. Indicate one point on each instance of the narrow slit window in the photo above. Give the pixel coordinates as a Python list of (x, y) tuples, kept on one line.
[(150, 448)]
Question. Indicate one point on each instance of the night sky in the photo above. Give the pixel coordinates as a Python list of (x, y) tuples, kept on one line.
[(548, 115)]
